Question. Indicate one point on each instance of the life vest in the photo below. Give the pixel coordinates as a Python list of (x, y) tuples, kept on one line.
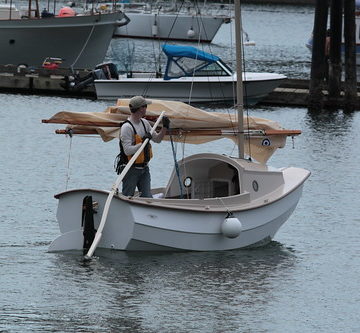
[(144, 157)]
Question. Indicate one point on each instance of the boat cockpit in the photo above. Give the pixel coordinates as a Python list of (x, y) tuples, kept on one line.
[(203, 176)]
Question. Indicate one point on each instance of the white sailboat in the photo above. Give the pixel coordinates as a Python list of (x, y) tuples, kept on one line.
[(211, 202), (170, 23)]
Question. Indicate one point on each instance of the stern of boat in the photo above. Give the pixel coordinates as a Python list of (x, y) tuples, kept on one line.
[(119, 223)]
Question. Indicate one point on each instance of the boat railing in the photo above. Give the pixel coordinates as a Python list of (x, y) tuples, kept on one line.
[(13, 12)]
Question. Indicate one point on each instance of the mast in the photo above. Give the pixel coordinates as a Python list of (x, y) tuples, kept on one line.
[(239, 83)]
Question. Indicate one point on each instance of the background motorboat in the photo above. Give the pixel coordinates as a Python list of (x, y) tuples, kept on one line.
[(190, 74)]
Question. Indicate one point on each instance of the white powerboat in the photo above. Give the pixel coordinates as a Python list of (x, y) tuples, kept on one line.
[(211, 202), (190, 74)]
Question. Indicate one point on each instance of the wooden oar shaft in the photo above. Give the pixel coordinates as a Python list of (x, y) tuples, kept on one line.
[(114, 189)]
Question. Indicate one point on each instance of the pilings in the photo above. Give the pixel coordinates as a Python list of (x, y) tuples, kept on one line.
[(326, 67), (318, 61), (350, 55), (335, 50)]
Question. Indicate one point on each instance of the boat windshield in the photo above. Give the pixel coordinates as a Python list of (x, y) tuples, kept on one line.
[(188, 61)]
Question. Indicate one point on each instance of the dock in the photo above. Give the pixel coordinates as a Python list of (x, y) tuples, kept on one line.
[(292, 92), (295, 92), (41, 81)]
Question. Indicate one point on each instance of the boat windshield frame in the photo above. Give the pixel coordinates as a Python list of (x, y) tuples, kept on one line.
[(177, 63)]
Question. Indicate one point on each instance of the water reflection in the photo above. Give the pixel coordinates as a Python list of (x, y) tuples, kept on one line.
[(167, 291), (329, 121)]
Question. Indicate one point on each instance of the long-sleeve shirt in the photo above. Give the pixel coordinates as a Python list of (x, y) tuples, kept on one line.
[(127, 136)]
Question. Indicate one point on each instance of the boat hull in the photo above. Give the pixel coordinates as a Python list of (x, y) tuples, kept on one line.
[(212, 89), (81, 41), (170, 27), (132, 226)]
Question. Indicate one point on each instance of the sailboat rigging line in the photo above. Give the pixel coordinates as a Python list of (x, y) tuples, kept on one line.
[(176, 167), (184, 165), (83, 48), (222, 202), (176, 17), (198, 14), (68, 163), (156, 59), (193, 74)]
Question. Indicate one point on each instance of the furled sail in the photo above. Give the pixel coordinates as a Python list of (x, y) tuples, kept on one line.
[(188, 125)]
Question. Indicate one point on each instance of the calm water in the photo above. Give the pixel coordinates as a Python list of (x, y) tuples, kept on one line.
[(306, 280)]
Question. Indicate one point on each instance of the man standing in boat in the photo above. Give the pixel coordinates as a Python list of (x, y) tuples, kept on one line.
[(132, 133)]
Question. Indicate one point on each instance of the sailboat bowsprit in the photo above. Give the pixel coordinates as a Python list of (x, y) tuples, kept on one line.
[(211, 202)]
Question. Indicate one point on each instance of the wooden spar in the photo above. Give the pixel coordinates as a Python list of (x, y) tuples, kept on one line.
[(282, 132), (91, 123), (115, 189), (83, 122), (194, 132), (77, 131)]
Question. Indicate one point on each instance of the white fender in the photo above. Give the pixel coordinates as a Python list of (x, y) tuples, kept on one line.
[(231, 227)]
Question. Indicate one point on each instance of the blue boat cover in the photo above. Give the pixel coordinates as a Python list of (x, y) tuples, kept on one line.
[(189, 52), (185, 61)]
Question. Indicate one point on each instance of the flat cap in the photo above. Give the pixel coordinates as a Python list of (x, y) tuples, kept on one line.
[(138, 101)]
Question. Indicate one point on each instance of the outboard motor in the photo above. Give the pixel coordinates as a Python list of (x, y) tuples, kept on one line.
[(109, 70), (88, 223), (104, 71)]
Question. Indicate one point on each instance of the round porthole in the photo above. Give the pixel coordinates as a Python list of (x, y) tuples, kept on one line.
[(255, 185), (266, 142), (187, 181), (12, 41)]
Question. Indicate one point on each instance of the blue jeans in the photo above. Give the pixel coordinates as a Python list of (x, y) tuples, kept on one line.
[(139, 178)]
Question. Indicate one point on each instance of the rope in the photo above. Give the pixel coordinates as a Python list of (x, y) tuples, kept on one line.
[(193, 74), (68, 163), (83, 48), (227, 208), (176, 167), (173, 24)]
